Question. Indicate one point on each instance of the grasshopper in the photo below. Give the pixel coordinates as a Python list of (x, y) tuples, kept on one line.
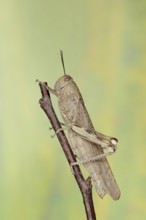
[(88, 145)]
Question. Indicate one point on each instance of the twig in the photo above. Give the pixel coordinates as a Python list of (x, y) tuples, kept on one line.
[(84, 185)]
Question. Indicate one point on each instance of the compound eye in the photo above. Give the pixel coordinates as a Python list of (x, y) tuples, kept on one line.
[(67, 78)]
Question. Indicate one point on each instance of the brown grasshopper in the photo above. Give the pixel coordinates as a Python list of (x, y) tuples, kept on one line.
[(87, 144)]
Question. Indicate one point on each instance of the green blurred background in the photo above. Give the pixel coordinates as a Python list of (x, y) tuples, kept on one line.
[(105, 52)]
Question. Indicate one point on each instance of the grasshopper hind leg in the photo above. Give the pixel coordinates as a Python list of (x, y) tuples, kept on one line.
[(98, 157)]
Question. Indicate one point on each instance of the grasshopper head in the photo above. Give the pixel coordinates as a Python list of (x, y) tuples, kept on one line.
[(62, 82)]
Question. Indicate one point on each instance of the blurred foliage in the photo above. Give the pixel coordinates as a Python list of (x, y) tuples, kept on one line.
[(105, 52)]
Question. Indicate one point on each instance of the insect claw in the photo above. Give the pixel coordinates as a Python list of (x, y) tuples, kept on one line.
[(88, 180), (38, 81), (52, 136), (60, 129), (62, 124), (71, 167)]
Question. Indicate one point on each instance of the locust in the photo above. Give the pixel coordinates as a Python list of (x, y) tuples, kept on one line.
[(89, 146)]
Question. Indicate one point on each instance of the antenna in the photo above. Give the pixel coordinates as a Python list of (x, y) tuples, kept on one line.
[(62, 60)]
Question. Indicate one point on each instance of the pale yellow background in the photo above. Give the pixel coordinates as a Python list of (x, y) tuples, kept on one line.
[(105, 52)]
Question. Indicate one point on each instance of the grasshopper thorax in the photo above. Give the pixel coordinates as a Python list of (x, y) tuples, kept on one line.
[(62, 82)]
